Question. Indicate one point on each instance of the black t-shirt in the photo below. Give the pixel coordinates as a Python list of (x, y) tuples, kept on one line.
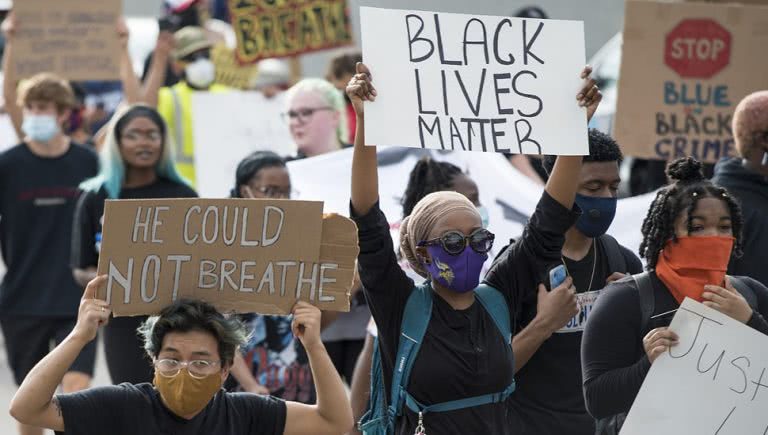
[(549, 397), (86, 232), (463, 354), (137, 409), (614, 362), (37, 202)]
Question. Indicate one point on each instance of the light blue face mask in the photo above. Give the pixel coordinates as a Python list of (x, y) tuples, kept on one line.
[(40, 128), (484, 215)]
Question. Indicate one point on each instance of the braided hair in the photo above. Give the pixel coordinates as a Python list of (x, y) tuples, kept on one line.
[(683, 196), (427, 176)]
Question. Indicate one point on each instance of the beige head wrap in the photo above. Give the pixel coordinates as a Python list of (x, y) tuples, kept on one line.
[(750, 117), (416, 227)]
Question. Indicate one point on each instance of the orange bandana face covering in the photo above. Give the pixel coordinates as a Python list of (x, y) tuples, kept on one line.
[(690, 263)]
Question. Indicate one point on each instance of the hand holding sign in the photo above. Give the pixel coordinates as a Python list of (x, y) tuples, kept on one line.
[(658, 341), (360, 88), (306, 324), (93, 313), (589, 96)]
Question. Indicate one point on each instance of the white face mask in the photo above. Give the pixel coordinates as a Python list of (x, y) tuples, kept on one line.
[(200, 73)]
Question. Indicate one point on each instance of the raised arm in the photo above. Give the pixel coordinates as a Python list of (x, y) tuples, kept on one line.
[(158, 68), (127, 74), (10, 80), (34, 403), (365, 174), (332, 414), (563, 182)]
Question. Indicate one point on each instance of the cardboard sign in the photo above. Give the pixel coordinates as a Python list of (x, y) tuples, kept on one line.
[(281, 28), (240, 255), (76, 39), (716, 372), (473, 82), (229, 72), (685, 67), (253, 122)]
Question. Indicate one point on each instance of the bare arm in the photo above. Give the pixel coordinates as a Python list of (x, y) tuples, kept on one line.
[(10, 80), (332, 414), (365, 174), (158, 69), (563, 182), (127, 75), (361, 381), (245, 378), (84, 276), (34, 403)]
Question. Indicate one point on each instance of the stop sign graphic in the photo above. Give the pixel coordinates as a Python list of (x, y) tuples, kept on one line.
[(697, 48)]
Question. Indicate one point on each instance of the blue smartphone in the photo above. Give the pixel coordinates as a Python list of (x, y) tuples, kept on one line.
[(556, 276)]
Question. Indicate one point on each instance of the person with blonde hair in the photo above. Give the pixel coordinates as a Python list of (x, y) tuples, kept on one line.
[(137, 162), (38, 192), (316, 116)]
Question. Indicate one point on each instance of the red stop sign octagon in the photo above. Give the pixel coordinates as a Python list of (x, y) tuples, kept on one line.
[(697, 48)]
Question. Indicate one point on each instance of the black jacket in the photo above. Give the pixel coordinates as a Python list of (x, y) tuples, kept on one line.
[(751, 189)]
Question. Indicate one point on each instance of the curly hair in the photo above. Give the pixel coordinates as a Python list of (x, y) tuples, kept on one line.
[(426, 177), (683, 195), (602, 148)]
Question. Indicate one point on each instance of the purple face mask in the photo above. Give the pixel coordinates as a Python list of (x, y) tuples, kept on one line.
[(460, 273)]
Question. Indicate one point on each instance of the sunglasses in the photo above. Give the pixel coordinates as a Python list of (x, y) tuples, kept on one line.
[(454, 242)]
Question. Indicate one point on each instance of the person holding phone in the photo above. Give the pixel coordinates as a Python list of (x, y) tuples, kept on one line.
[(463, 354), (693, 228)]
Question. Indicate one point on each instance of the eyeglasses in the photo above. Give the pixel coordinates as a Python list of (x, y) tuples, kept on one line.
[(454, 242), (150, 135), (198, 369), (304, 114), (277, 192)]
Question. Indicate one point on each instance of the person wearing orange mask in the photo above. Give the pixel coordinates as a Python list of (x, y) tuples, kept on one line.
[(692, 230)]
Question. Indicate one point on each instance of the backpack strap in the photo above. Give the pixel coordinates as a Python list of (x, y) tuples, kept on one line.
[(496, 306), (746, 291), (616, 260), (647, 298), (416, 315)]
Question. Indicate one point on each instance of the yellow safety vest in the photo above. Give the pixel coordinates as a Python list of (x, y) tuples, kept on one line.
[(175, 100)]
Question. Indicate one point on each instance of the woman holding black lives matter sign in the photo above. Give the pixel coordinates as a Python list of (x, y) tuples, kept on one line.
[(692, 230), (136, 163), (464, 354), (192, 348)]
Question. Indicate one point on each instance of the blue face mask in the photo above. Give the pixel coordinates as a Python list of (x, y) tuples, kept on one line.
[(40, 128), (484, 215), (598, 214)]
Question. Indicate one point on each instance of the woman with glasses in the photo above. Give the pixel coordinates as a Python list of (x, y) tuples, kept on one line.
[(463, 355), (136, 163), (192, 347), (316, 117), (273, 360)]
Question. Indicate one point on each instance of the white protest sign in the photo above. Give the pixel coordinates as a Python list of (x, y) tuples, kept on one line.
[(712, 382), (229, 126), (474, 82), (510, 196)]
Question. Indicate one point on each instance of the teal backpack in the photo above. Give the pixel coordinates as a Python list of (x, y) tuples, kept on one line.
[(381, 415)]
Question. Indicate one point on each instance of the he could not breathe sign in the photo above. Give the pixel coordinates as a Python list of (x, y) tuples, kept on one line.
[(240, 255)]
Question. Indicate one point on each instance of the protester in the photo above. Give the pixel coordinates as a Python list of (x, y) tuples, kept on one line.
[(691, 231), (316, 118), (547, 344), (136, 163), (274, 361), (427, 176), (38, 192), (747, 180), (340, 72), (273, 77), (192, 347), (463, 355), (191, 52)]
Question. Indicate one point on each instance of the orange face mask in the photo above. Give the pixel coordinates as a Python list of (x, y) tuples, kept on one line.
[(685, 266)]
